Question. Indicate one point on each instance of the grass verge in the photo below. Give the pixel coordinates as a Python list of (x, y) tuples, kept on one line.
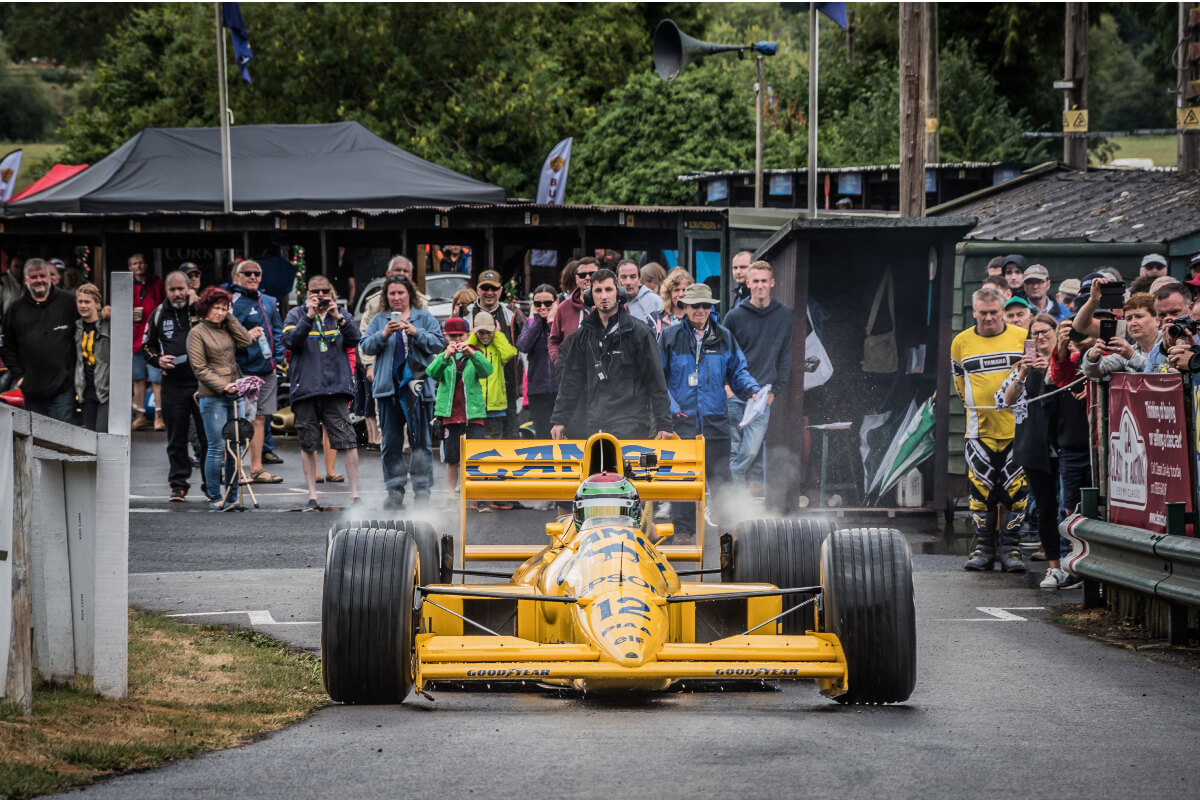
[(191, 689)]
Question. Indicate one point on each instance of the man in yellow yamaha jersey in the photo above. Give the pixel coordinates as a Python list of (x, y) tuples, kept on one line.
[(981, 357)]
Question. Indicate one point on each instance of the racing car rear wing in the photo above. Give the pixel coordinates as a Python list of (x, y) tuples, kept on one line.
[(516, 469)]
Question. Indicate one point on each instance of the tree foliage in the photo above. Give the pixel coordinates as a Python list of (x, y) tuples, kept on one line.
[(487, 89)]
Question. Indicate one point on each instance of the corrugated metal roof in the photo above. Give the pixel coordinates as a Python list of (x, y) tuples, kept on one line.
[(692, 177), (1108, 205)]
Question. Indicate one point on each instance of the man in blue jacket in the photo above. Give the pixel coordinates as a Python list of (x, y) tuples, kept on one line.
[(319, 333), (259, 314), (700, 358)]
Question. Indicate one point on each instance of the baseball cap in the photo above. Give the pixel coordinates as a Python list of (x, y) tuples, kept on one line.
[(58, 264), (698, 294), (489, 277), (1014, 259), (189, 268), (1069, 286), (1154, 259), (1085, 285), (456, 325), (1036, 272), (484, 322), (1018, 301)]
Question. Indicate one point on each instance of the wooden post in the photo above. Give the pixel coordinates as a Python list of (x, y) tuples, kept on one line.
[(18, 684), (929, 95), (912, 120), (1187, 147), (1076, 71)]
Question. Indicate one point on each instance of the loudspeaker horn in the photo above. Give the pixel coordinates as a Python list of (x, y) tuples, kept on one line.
[(674, 50)]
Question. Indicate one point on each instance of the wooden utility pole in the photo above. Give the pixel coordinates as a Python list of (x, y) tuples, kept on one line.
[(1075, 73), (912, 118), (1187, 144), (929, 94)]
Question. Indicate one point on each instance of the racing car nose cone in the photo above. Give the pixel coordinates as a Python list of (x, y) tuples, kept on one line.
[(626, 628)]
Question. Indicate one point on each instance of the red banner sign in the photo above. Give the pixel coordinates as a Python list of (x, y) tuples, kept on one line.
[(1148, 455)]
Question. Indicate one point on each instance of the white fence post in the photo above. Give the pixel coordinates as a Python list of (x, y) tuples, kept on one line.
[(18, 681), (111, 577)]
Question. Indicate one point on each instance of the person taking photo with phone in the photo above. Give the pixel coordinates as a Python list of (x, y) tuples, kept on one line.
[(403, 340), (1036, 439), (318, 333), (460, 410)]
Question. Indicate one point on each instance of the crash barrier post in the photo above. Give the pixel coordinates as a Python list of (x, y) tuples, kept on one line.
[(1162, 568)]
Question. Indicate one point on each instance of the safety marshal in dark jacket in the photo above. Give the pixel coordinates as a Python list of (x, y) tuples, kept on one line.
[(613, 367)]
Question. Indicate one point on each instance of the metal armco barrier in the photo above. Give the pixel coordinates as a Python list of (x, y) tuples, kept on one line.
[(1158, 565)]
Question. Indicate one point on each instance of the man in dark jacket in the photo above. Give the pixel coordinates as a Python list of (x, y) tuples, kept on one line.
[(318, 334), (39, 344), (166, 348), (615, 369), (763, 329), (700, 358)]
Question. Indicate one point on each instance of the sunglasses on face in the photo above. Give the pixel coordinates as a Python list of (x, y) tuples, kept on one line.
[(250, 274), (543, 303), (704, 306), (319, 291), (585, 275)]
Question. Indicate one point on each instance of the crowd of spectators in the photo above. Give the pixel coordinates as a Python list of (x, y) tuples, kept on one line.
[(1021, 371), (628, 348)]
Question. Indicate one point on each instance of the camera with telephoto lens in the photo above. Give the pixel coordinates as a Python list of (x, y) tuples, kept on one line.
[(1182, 327)]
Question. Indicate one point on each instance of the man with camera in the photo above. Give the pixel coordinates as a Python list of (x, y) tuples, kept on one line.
[(1181, 341), (319, 333), (614, 368)]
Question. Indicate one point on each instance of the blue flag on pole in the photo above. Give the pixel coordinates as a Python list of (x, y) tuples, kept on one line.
[(231, 17), (835, 11)]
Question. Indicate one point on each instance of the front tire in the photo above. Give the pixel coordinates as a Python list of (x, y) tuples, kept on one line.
[(368, 624), (866, 574)]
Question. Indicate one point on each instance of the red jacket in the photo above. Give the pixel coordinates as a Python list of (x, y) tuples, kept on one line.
[(147, 296), (1065, 370), (566, 320)]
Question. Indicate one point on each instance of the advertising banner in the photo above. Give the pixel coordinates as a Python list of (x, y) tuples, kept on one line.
[(1148, 449)]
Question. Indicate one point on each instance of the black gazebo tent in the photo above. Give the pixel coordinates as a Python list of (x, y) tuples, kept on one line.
[(275, 167)]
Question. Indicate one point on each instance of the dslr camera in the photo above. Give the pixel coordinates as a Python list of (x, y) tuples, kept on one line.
[(1182, 327), (324, 303)]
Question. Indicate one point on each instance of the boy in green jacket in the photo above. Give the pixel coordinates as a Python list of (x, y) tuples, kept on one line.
[(459, 405)]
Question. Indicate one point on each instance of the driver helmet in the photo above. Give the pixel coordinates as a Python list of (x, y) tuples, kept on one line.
[(607, 494)]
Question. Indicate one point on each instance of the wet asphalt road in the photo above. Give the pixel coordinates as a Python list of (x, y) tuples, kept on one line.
[(1003, 707)]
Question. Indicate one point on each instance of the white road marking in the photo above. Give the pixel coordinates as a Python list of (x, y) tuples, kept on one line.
[(997, 614), (259, 617)]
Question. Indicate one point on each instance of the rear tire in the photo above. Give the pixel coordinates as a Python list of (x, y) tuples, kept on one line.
[(368, 624), (785, 553), (868, 594)]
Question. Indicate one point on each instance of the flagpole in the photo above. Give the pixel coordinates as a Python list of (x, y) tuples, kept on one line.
[(223, 93), (812, 110)]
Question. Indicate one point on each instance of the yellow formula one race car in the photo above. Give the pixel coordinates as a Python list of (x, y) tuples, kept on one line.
[(601, 606)]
